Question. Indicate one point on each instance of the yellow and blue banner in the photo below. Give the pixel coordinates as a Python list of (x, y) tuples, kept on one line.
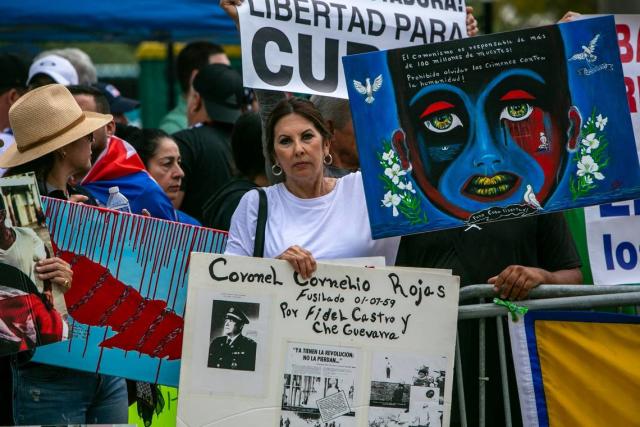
[(577, 368)]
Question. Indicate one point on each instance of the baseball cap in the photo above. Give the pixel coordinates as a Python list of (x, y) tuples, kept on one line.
[(118, 104), (13, 71), (56, 67), (237, 315), (220, 86)]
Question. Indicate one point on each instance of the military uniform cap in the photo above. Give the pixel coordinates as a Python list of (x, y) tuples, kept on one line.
[(237, 315)]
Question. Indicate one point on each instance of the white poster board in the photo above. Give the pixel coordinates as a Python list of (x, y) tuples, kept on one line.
[(296, 45), (320, 346), (613, 230), (613, 239), (628, 29)]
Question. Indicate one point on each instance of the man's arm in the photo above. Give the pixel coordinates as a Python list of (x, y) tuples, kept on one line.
[(515, 281), (557, 260)]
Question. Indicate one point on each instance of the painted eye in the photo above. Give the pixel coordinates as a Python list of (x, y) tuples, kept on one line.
[(516, 112), (444, 122)]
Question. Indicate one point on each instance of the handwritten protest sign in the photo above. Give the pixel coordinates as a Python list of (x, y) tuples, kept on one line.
[(493, 127), (296, 46), (350, 346), (126, 303), (32, 311), (613, 230)]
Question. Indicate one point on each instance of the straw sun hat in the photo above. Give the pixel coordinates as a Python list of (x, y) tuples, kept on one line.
[(45, 119)]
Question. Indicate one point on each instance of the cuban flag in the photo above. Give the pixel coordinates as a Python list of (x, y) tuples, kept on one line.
[(577, 368), (119, 165)]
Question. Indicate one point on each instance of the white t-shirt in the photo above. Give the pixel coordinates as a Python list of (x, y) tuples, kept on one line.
[(25, 251), (332, 226)]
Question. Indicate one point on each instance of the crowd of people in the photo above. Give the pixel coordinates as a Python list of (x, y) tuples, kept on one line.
[(201, 168)]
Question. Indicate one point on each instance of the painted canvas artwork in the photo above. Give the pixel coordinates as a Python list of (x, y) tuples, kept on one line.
[(126, 304), (493, 127)]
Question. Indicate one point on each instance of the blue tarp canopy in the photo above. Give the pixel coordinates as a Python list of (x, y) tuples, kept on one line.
[(125, 21)]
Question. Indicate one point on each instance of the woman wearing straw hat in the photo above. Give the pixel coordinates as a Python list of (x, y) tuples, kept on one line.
[(53, 139)]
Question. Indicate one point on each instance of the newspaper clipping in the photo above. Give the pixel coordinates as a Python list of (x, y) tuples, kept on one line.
[(406, 390), (319, 386)]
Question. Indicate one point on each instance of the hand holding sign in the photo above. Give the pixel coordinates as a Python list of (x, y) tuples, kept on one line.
[(472, 24), (230, 7), (56, 270), (300, 259)]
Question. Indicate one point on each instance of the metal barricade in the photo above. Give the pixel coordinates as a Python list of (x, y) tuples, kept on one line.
[(543, 297)]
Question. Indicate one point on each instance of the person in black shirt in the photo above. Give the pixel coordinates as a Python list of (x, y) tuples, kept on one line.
[(215, 105), (246, 144), (516, 256)]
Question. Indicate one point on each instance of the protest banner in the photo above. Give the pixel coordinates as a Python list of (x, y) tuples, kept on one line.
[(296, 45), (349, 346), (493, 127), (613, 230), (628, 29), (613, 240), (127, 300), (32, 311), (560, 355)]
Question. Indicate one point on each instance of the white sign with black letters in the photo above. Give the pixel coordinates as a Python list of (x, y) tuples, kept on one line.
[(311, 350), (296, 45)]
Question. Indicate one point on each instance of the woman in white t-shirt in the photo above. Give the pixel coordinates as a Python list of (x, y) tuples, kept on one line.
[(310, 216)]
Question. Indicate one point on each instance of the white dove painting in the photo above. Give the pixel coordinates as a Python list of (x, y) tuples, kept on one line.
[(530, 198), (587, 53), (368, 89)]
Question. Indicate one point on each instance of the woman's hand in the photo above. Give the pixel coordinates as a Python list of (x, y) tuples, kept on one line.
[(57, 271), (230, 7), (300, 259), (472, 24)]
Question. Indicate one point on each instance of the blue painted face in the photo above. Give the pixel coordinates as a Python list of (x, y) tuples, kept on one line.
[(480, 150)]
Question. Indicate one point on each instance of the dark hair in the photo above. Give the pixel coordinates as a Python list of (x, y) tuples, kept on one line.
[(145, 141), (41, 166), (125, 131), (39, 80), (192, 57), (301, 107), (246, 145), (102, 105)]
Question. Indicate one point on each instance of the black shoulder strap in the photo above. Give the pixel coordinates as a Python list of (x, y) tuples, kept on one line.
[(261, 225)]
